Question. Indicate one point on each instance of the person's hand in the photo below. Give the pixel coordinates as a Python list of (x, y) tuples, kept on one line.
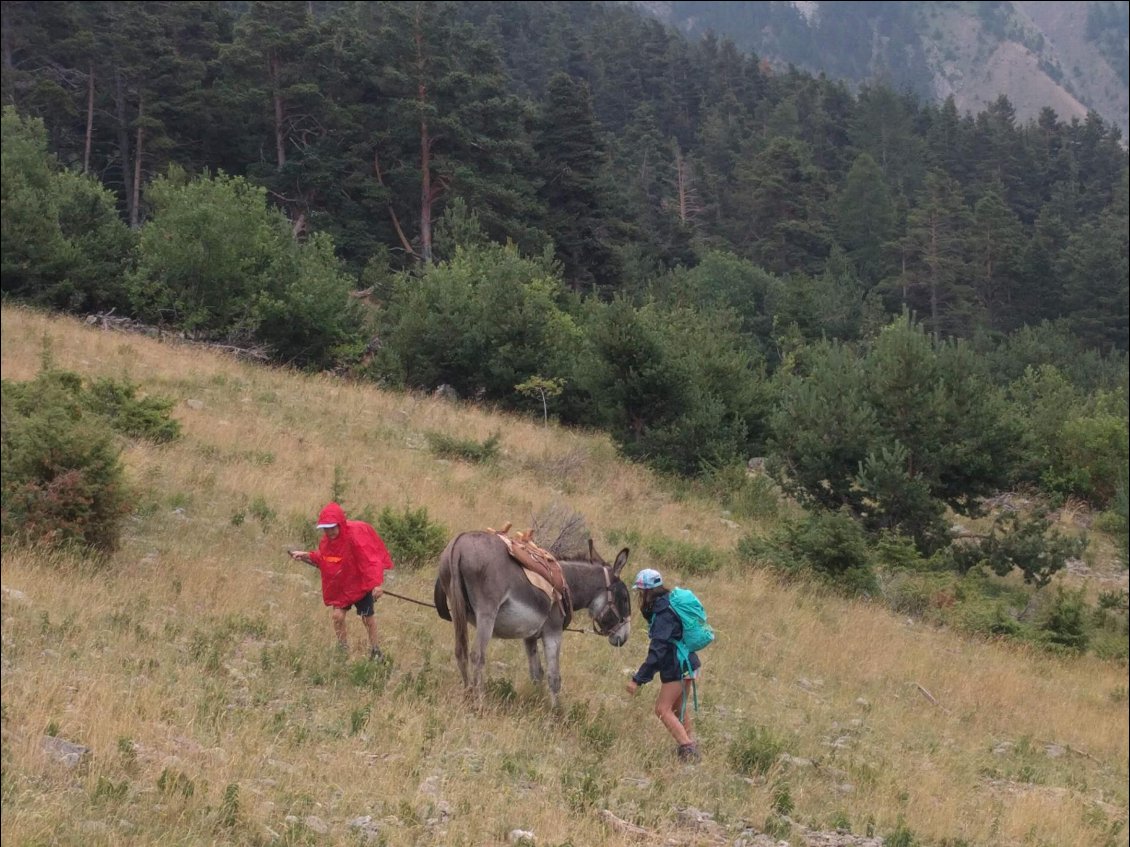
[(633, 686), (377, 592), (300, 556)]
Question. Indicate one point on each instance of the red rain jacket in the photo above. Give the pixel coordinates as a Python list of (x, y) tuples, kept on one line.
[(352, 564)]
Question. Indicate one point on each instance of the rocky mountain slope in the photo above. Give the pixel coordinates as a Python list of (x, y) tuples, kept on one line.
[(1071, 57)]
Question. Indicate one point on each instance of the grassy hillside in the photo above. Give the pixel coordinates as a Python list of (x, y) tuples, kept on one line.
[(197, 666)]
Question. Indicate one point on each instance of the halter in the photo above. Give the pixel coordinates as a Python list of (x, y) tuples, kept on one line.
[(609, 603)]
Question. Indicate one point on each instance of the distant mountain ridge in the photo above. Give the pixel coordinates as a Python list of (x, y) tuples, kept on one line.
[(1071, 57)]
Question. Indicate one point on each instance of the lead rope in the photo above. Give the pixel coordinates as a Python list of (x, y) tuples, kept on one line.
[(432, 606)]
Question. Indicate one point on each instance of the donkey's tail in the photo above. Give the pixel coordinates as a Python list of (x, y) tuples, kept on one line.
[(456, 604), (439, 599)]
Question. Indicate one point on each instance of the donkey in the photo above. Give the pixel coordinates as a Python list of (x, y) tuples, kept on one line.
[(479, 583)]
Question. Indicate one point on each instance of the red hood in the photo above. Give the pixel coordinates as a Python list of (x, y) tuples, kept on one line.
[(352, 563), (332, 513)]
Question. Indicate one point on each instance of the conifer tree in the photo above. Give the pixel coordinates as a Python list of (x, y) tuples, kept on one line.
[(865, 219), (570, 154), (997, 248), (935, 279), (780, 200)]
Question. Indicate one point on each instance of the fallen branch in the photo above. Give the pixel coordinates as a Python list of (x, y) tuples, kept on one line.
[(249, 352), (931, 698), (622, 825), (1074, 750)]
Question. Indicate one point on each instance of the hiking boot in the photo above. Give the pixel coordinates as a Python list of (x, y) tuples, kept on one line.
[(376, 655), (688, 752)]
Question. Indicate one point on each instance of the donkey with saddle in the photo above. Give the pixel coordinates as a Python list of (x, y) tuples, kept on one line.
[(482, 581)]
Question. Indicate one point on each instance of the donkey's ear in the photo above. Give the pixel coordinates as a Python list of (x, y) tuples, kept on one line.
[(621, 560), (592, 551)]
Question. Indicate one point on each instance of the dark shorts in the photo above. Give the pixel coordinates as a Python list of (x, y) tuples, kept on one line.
[(674, 674), (364, 606)]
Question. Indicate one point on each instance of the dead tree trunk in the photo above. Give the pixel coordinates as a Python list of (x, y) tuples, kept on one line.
[(425, 192), (123, 140), (89, 119), (280, 113), (135, 197)]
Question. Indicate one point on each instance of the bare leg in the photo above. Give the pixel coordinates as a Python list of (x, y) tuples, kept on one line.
[(370, 622), (666, 706), (686, 707), (338, 618), (536, 672)]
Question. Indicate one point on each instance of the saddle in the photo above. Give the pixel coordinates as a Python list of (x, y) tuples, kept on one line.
[(540, 567)]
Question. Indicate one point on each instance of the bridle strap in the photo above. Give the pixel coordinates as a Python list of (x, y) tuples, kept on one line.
[(609, 601)]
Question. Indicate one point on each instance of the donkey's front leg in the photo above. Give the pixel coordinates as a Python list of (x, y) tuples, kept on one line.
[(552, 643), (536, 672)]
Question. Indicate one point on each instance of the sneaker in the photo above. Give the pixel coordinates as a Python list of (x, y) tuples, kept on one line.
[(688, 752), (376, 655)]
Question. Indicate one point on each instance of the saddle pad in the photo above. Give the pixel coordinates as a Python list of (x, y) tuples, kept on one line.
[(541, 568), (541, 584)]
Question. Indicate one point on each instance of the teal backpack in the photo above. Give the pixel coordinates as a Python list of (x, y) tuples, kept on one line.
[(697, 633)]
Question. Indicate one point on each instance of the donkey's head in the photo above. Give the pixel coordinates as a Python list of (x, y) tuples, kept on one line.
[(611, 608)]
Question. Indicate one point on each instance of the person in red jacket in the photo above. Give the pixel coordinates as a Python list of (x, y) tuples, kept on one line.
[(352, 559)]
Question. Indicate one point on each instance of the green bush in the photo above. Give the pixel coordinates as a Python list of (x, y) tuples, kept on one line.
[(1024, 544), (920, 594), (145, 417), (217, 260), (1116, 521), (754, 751), (62, 244), (684, 557), (829, 545), (1091, 458), (413, 540), (1064, 622), (63, 480), (482, 322), (466, 449), (986, 617), (894, 433), (678, 388)]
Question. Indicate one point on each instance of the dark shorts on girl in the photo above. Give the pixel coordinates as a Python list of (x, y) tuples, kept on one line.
[(672, 673), (364, 606)]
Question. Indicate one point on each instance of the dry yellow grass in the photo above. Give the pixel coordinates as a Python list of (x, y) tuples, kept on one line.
[(197, 666)]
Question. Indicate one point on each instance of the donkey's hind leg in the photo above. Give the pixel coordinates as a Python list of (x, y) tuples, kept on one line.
[(461, 652), (484, 629), (536, 672)]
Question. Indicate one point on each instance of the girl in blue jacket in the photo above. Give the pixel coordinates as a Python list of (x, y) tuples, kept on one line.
[(664, 629)]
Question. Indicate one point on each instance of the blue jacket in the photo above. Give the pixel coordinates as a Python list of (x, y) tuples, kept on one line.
[(664, 629)]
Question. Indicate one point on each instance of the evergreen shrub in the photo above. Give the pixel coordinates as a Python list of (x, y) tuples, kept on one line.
[(63, 480), (412, 538), (828, 545), (466, 449), (136, 417)]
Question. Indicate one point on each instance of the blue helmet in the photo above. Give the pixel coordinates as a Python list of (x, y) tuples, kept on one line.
[(648, 578)]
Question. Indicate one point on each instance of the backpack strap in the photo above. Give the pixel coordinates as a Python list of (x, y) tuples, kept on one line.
[(694, 695)]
